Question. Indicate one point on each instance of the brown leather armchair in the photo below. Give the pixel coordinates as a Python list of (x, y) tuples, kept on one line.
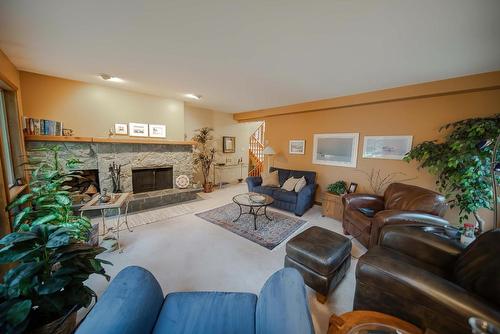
[(432, 281), (401, 204)]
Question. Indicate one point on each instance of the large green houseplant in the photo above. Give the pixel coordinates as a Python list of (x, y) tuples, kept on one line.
[(462, 166), (204, 154), (47, 252)]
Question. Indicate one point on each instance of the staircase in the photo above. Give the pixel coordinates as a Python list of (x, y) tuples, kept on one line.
[(255, 151)]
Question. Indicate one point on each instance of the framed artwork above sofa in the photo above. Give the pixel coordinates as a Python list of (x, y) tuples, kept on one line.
[(336, 149)]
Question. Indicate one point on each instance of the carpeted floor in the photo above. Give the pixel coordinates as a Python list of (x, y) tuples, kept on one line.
[(186, 253)]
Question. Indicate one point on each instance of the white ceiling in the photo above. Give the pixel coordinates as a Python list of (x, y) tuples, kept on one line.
[(251, 54)]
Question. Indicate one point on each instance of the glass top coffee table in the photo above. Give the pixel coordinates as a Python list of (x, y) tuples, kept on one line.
[(256, 203)]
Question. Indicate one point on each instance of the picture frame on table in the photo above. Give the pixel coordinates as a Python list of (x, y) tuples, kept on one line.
[(157, 130), (121, 129), (296, 146), (138, 129), (386, 147), (352, 188), (228, 144)]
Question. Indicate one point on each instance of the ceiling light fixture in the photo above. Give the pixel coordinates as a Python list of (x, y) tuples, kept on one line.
[(108, 77), (193, 96)]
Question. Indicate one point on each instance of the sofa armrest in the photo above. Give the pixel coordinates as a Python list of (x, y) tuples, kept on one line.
[(253, 181), (357, 201), (399, 217), (419, 244), (305, 199), (282, 306), (129, 305)]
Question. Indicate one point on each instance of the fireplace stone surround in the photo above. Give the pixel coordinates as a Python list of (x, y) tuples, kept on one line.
[(94, 155)]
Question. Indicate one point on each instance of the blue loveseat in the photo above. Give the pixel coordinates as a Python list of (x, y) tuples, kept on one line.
[(297, 203), (134, 303)]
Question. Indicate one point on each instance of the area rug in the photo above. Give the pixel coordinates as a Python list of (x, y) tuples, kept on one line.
[(268, 234)]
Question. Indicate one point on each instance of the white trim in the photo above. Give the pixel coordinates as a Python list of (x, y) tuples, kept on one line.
[(409, 140), (354, 153)]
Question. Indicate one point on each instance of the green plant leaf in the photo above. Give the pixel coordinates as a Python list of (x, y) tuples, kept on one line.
[(58, 240), (18, 312), (20, 201), (22, 217), (17, 237), (44, 219), (9, 255), (63, 200), (53, 284)]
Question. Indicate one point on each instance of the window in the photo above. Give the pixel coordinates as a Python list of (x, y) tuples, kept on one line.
[(8, 164)]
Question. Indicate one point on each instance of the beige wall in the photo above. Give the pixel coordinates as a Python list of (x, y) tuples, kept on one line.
[(418, 117), (223, 125), (91, 110)]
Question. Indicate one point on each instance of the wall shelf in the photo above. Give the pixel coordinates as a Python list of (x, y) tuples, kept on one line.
[(114, 140)]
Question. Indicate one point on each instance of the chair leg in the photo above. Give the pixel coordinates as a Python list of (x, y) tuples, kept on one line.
[(321, 298)]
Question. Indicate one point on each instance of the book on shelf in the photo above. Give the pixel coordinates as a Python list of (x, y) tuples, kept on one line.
[(44, 127)]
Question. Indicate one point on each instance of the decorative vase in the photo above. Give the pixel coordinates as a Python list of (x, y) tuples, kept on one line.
[(56, 327), (208, 187)]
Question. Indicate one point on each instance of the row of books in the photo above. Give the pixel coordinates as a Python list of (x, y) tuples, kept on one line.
[(35, 126)]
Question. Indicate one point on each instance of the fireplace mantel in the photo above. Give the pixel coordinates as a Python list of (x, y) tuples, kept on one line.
[(114, 140)]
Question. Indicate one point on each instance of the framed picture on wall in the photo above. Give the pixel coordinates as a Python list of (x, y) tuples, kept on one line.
[(336, 149), (157, 130), (121, 129), (228, 144), (138, 129), (296, 146), (386, 147)]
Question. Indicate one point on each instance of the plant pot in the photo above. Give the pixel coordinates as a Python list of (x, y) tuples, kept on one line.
[(56, 327), (208, 187)]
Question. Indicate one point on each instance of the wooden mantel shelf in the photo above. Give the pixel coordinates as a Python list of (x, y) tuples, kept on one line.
[(115, 140)]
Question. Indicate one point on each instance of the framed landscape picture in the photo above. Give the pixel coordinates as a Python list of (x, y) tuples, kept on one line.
[(336, 149), (121, 129), (296, 146), (228, 144), (386, 147), (138, 129), (157, 130)]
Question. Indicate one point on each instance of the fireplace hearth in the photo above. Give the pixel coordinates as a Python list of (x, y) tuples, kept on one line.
[(146, 179)]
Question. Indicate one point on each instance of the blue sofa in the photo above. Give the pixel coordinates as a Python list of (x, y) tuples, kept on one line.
[(134, 303), (297, 203)]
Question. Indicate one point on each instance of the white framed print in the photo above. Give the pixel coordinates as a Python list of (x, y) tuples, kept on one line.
[(157, 130), (386, 147), (336, 149), (296, 146), (138, 129), (121, 129)]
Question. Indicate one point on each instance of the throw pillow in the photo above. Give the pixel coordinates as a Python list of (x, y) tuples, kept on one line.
[(289, 184), (270, 179), (301, 184)]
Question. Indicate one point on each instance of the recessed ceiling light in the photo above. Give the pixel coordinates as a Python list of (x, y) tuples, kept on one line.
[(108, 77), (193, 96)]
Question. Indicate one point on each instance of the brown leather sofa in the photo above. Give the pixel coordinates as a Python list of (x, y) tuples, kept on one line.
[(401, 204), (429, 280)]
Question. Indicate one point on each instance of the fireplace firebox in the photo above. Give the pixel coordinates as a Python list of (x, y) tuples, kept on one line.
[(152, 178)]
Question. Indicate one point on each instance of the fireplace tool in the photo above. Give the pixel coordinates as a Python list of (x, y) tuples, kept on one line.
[(115, 171)]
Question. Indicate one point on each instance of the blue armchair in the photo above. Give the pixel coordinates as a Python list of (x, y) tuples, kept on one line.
[(134, 303), (297, 203)]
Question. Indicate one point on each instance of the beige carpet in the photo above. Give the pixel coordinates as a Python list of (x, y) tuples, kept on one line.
[(186, 253)]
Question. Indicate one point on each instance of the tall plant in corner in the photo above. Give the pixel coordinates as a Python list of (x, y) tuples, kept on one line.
[(461, 165), (204, 154)]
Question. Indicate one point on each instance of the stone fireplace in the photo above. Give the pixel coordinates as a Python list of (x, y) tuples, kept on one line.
[(146, 179)]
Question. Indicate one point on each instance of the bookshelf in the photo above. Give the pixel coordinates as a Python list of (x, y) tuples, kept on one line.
[(114, 140)]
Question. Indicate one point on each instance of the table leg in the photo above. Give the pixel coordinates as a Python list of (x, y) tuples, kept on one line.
[(239, 214), (120, 250), (265, 214), (254, 213)]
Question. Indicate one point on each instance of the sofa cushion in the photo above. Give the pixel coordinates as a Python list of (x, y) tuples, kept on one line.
[(208, 313), (270, 179), (320, 249), (300, 184), (308, 175), (405, 197), (264, 190), (289, 184), (285, 196), (283, 174)]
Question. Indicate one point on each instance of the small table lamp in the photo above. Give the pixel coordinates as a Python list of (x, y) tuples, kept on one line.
[(268, 150)]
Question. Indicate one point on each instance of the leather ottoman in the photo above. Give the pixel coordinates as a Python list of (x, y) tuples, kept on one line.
[(321, 256)]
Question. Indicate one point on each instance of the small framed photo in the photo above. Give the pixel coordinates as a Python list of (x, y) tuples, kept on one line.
[(157, 130), (296, 146), (228, 144), (138, 129), (352, 188), (121, 129)]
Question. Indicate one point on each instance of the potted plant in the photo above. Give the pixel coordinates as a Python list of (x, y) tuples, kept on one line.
[(337, 188), (204, 153), (462, 165)]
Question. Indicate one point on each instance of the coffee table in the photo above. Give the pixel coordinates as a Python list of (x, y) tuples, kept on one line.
[(255, 205), (364, 322)]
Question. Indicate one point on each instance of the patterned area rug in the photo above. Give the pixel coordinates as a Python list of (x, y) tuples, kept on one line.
[(268, 234)]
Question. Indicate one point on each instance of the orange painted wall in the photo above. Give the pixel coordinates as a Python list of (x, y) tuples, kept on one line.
[(419, 117)]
